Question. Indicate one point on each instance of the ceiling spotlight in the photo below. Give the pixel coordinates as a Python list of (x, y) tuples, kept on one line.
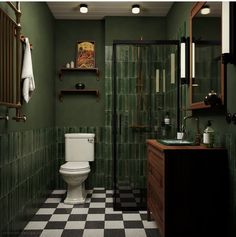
[(83, 8), (135, 9), (205, 10)]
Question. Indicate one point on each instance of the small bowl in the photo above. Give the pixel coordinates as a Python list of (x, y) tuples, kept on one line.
[(80, 86)]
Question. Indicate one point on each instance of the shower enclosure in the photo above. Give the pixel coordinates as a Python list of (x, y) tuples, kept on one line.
[(145, 90)]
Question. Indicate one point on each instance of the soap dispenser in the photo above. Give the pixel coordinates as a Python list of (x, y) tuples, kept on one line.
[(208, 135), (167, 119)]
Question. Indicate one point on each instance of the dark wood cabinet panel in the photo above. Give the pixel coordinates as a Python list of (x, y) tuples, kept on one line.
[(187, 190)]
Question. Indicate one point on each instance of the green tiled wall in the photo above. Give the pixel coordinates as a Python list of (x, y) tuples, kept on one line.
[(26, 174)]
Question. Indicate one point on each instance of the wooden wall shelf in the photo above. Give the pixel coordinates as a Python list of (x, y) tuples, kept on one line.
[(65, 70), (75, 91)]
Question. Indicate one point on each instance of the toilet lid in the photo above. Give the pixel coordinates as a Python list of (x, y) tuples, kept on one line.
[(75, 166)]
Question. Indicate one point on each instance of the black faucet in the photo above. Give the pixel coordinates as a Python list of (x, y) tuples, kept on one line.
[(198, 134)]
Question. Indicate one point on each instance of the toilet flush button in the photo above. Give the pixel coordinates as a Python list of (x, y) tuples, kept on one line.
[(91, 140)]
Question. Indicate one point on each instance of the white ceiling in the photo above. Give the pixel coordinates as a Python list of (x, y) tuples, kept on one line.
[(100, 9)]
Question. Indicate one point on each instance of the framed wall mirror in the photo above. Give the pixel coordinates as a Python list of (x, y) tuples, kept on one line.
[(206, 68)]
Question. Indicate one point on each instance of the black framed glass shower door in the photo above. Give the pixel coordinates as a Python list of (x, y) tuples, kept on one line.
[(135, 108)]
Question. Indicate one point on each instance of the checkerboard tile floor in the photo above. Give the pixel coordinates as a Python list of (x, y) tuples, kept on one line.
[(94, 218)]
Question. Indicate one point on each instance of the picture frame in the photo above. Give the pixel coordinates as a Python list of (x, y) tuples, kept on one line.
[(85, 54)]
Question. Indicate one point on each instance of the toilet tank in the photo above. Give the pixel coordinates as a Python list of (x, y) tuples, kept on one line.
[(79, 147)]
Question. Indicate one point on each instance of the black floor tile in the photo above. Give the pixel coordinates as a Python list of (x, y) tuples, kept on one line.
[(56, 225), (96, 211), (63, 211), (98, 199), (133, 224), (114, 233), (113, 217), (94, 225), (85, 205), (41, 218), (72, 233), (75, 217), (153, 233)]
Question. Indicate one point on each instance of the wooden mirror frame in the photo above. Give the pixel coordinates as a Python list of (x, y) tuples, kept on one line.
[(201, 105)]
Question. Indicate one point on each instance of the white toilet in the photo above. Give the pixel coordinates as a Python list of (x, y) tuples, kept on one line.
[(79, 150)]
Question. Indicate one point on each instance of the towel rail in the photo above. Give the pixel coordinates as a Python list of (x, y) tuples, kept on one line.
[(10, 63)]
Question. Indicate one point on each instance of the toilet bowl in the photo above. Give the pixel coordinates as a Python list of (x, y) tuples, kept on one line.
[(79, 150), (74, 174)]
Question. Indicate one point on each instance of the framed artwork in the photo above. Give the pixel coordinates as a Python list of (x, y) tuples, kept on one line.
[(85, 56)]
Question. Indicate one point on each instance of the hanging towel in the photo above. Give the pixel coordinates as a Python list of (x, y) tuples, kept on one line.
[(27, 73)]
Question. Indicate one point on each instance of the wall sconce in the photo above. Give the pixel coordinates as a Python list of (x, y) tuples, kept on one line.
[(83, 8), (184, 60), (205, 10), (228, 32), (193, 60), (135, 9)]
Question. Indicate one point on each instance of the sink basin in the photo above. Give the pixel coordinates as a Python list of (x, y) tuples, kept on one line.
[(175, 142)]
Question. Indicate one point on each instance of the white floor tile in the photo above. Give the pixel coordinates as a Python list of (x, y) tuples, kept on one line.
[(59, 192), (110, 210), (59, 217), (93, 233), (98, 195), (79, 211), (51, 233), (45, 211), (75, 225), (36, 225), (109, 200), (114, 225), (110, 191), (63, 205), (135, 232), (95, 217), (143, 212), (53, 200), (99, 188), (131, 217), (97, 205), (150, 224)]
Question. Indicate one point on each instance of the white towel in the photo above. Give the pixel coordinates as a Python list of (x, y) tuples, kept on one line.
[(27, 73)]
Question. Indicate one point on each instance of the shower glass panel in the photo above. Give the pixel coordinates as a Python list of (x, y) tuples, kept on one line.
[(144, 89)]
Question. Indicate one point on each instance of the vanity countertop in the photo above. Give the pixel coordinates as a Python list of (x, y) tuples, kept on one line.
[(162, 147)]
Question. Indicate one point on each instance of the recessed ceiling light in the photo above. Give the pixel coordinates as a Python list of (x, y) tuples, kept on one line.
[(135, 9), (83, 8), (205, 10)]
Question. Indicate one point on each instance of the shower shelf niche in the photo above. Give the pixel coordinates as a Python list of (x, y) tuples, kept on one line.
[(66, 70), (76, 91)]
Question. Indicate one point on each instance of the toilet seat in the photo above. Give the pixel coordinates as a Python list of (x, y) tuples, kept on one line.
[(75, 167)]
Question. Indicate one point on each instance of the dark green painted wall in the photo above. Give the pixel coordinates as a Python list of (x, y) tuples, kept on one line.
[(79, 110), (27, 149), (38, 25), (134, 28)]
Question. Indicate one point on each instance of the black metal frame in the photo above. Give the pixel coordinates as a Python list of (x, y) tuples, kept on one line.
[(114, 103)]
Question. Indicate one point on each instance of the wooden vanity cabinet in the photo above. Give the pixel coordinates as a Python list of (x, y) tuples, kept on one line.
[(187, 190)]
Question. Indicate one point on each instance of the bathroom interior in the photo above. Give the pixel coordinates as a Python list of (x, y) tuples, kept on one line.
[(163, 72)]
